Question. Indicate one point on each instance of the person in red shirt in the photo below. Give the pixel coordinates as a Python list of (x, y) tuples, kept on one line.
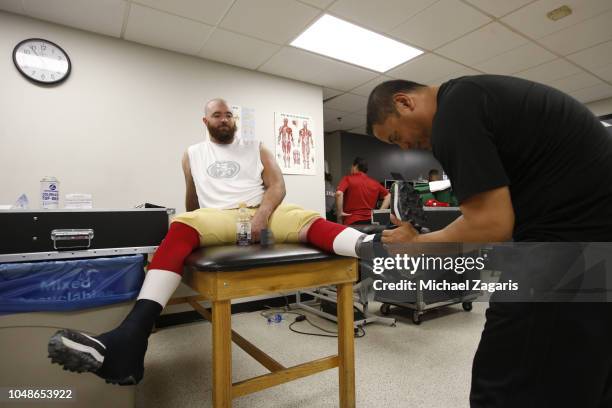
[(357, 195)]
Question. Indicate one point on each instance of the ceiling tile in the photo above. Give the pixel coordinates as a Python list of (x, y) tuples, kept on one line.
[(593, 93), (363, 111), (580, 36), (352, 121), (277, 21), (378, 15), (532, 21), (483, 44), (13, 6), (331, 126), (361, 130), (575, 82), (347, 121), (297, 64), (498, 8), (342, 76), (330, 93), (604, 73), (516, 60), (443, 22), (425, 69), (549, 71), (102, 17), (347, 103), (595, 57), (237, 49), (206, 11), (318, 3), (365, 89), (179, 34), (330, 115)]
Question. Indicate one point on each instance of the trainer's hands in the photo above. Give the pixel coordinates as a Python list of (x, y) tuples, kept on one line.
[(341, 217), (404, 233), (258, 222)]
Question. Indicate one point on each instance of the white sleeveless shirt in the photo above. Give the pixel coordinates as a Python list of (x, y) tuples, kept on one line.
[(226, 175)]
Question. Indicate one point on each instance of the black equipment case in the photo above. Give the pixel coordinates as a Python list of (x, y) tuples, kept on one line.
[(27, 235)]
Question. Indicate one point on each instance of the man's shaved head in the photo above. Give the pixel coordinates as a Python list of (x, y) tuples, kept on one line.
[(211, 104)]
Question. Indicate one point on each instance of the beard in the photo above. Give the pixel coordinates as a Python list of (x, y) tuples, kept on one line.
[(222, 134)]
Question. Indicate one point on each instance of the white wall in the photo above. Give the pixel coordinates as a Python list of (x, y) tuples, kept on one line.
[(118, 126), (602, 107)]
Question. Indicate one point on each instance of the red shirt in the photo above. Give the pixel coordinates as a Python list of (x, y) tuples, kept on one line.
[(360, 196)]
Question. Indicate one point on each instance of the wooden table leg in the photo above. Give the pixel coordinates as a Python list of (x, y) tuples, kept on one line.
[(222, 354), (346, 345)]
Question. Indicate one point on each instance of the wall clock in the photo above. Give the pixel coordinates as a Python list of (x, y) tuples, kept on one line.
[(42, 61)]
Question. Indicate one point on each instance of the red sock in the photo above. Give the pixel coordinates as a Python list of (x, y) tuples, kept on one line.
[(322, 234), (179, 242)]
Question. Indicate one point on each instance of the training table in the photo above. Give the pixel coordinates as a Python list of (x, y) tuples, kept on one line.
[(223, 273)]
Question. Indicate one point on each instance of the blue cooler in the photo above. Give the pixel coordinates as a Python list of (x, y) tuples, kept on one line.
[(91, 295)]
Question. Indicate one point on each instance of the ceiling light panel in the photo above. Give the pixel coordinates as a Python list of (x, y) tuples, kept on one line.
[(336, 38)]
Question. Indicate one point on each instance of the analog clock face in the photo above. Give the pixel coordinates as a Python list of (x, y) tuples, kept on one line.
[(41, 61)]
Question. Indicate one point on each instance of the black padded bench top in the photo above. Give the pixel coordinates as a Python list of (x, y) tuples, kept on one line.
[(370, 228), (233, 257)]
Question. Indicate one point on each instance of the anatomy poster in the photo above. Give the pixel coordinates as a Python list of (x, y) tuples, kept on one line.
[(295, 147)]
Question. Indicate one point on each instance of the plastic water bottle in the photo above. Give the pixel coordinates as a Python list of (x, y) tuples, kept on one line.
[(275, 318), (49, 193), (243, 226)]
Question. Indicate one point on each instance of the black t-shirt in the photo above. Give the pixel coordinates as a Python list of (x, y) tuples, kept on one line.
[(553, 153)]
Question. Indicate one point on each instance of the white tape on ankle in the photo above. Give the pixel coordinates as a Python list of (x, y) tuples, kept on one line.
[(159, 285), (344, 243)]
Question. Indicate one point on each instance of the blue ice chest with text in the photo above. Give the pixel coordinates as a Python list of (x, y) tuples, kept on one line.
[(68, 285)]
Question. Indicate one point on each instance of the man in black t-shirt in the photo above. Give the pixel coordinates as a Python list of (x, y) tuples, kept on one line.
[(529, 163)]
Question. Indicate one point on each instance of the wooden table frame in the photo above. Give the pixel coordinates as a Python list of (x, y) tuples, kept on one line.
[(221, 287)]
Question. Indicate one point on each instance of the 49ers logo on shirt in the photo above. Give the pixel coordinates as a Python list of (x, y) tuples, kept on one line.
[(223, 169)]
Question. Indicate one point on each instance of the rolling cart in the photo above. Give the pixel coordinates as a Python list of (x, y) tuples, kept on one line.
[(436, 218)]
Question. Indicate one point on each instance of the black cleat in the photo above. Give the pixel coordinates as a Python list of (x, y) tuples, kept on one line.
[(76, 352), (116, 356), (406, 204), (80, 353)]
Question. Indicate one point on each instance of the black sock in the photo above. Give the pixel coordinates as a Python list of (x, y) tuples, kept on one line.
[(142, 317), (126, 345)]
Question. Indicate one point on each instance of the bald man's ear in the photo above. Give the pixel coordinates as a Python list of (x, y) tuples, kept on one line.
[(205, 120), (404, 102)]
